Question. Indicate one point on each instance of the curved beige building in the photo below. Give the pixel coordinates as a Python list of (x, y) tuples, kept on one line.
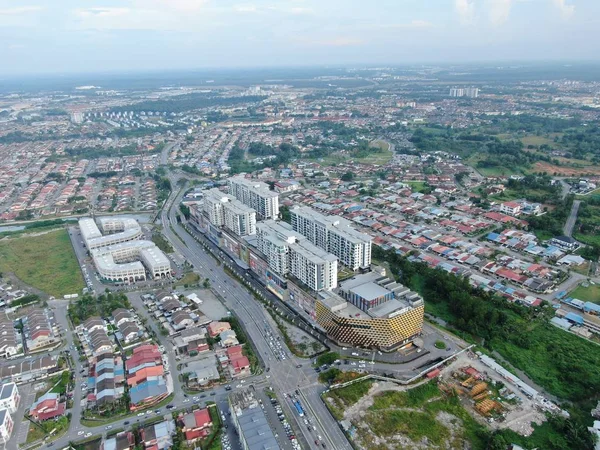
[(121, 256)]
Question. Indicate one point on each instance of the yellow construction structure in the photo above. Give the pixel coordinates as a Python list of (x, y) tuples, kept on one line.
[(478, 389), (487, 405), (481, 396), (468, 382)]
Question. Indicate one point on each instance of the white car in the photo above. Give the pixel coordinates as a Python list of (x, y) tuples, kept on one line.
[(80, 433), (140, 414), (88, 434)]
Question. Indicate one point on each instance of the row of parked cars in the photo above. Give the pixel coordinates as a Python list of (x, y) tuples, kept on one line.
[(285, 423)]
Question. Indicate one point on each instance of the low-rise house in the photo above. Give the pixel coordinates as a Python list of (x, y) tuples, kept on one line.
[(11, 343), (181, 320), (38, 331), (191, 340), (158, 436), (228, 338), (146, 374), (196, 425), (143, 356), (29, 369), (148, 393), (122, 315), (571, 260), (94, 323), (122, 441), (100, 342), (564, 242), (170, 305), (129, 332), (48, 406), (216, 328)]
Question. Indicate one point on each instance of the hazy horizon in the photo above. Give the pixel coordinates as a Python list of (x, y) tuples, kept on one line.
[(99, 36)]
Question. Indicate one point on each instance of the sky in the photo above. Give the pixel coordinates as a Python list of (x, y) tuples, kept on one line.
[(76, 36)]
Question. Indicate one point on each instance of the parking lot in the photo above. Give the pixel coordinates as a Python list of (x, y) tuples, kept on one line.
[(21, 426), (278, 422)]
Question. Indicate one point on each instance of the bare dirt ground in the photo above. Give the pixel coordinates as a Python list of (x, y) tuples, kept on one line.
[(303, 341), (519, 418), (543, 166)]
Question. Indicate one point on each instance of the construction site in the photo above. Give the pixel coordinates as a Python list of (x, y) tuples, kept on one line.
[(448, 409), (492, 397)]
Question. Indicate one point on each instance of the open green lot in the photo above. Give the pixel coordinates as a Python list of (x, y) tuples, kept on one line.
[(45, 261), (495, 171), (380, 158), (417, 186), (420, 413), (587, 294)]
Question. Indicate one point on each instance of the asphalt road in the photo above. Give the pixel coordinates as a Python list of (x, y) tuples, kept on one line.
[(292, 373), (568, 230), (284, 375)]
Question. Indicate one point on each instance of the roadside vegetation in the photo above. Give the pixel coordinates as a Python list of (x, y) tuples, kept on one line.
[(103, 306), (162, 243)]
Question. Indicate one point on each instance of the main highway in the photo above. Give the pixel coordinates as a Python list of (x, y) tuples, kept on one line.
[(284, 375)]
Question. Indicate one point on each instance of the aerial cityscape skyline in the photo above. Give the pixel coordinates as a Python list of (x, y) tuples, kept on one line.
[(124, 35), (300, 225)]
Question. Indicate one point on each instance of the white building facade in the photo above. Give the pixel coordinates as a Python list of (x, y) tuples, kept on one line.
[(256, 195), (289, 253), (224, 210), (9, 397), (334, 235)]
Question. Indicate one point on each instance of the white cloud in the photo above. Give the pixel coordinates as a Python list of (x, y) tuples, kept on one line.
[(499, 11), (566, 10), (413, 25), (465, 9), (339, 41), (19, 10), (124, 19), (102, 12), (177, 5), (245, 8)]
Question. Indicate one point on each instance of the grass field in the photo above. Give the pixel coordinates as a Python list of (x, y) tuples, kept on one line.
[(491, 171), (382, 158), (417, 186), (189, 278), (587, 238), (413, 414), (587, 294), (46, 262), (537, 141)]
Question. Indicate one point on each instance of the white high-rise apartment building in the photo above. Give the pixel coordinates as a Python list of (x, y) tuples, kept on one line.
[(239, 218), (335, 235), (213, 206), (287, 252), (256, 195), (471, 92), (224, 210)]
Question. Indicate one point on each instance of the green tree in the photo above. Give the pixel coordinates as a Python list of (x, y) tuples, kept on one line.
[(348, 176)]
